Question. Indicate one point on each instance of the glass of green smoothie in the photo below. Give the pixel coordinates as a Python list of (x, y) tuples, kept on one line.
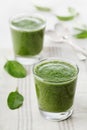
[(27, 36), (55, 83)]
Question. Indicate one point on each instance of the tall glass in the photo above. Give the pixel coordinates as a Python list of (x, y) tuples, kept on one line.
[(27, 35), (55, 83)]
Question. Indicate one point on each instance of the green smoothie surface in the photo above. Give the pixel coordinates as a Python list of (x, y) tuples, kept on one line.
[(27, 23), (56, 71)]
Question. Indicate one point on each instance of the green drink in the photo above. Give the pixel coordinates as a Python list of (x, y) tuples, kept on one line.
[(55, 82), (27, 36)]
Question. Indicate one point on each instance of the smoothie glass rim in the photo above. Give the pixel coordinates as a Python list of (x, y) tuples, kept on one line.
[(27, 15), (54, 59)]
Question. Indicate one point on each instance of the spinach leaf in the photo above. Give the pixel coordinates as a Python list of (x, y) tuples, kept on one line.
[(40, 8), (81, 35), (65, 18), (82, 32), (71, 16), (15, 100), (15, 69)]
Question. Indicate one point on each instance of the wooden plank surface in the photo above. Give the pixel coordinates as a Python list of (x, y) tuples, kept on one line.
[(28, 116)]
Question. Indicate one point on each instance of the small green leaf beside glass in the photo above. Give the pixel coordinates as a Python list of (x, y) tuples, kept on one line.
[(15, 69), (65, 18), (15, 100), (71, 16), (42, 8), (82, 32), (81, 35)]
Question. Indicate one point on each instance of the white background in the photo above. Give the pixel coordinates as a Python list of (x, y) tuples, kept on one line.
[(12, 7)]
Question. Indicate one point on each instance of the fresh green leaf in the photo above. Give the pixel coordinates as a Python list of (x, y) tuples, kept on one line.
[(40, 8), (71, 16), (15, 69), (65, 18), (15, 100), (81, 35), (82, 32)]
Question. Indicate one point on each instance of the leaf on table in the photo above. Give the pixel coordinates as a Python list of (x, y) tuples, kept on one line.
[(42, 8), (65, 18), (15, 69), (82, 32), (71, 16), (81, 35), (15, 100)]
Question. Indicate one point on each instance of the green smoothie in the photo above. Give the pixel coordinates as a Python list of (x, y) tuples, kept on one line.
[(55, 82), (27, 35)]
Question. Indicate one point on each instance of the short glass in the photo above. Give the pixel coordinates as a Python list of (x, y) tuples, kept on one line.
[(55, 95), (28, 36)]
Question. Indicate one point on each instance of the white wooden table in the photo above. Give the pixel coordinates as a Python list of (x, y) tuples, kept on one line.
[(28, 117)]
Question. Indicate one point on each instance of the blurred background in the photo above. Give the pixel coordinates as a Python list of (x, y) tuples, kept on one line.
[(9, 8)]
